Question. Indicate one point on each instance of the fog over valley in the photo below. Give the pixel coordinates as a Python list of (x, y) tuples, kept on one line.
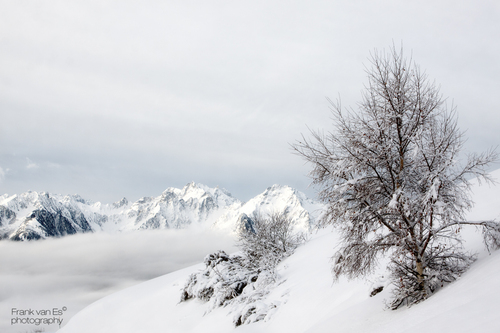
[(77, 270)]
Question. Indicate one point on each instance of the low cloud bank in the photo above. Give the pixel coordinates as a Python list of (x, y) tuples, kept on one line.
[(75, 271)]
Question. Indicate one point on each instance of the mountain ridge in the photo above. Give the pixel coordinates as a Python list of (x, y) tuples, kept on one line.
[(38, 215)]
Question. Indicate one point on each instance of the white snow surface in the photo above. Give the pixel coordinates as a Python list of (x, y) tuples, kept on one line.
[(310, 301)]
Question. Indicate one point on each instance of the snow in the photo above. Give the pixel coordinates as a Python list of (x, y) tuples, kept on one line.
[(149, 307), (468, 305), (309, 301)]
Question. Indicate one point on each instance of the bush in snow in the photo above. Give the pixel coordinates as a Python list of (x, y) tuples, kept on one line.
[(223, 279), (244, 280), (226, 280), (390, 178)]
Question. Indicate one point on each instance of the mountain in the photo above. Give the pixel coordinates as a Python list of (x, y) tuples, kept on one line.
[(178, 208), (32, 215), (277, 198)]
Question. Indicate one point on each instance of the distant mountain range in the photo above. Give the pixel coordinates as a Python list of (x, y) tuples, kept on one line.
[(33, 215)]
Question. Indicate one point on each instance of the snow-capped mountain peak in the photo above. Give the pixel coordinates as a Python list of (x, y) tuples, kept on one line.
[(277, 198), (34, 215)]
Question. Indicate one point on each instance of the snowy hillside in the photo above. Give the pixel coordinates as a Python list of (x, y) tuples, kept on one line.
[(33, 215), (308, 301)]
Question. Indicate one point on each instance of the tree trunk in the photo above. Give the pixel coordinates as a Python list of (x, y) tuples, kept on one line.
[(420, 277)]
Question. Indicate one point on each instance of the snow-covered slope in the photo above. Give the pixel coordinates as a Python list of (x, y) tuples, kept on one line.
[(33, 215), (310, 302)]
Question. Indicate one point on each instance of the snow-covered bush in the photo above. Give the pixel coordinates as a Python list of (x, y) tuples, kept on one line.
[(244, 280), (227, 279), (223, 279)]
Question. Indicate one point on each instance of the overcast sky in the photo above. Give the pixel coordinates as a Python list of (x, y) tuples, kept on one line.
[(121, 98)]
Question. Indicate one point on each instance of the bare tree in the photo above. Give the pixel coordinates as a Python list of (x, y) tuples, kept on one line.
[(392, 184), (267, 240)]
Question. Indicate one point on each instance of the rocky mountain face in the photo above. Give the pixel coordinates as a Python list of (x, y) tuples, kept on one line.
[(178, 208), (32, 215)]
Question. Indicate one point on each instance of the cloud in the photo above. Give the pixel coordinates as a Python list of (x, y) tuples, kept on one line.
[(135, 100), (2, 174), (53, 165), (31, 165)]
